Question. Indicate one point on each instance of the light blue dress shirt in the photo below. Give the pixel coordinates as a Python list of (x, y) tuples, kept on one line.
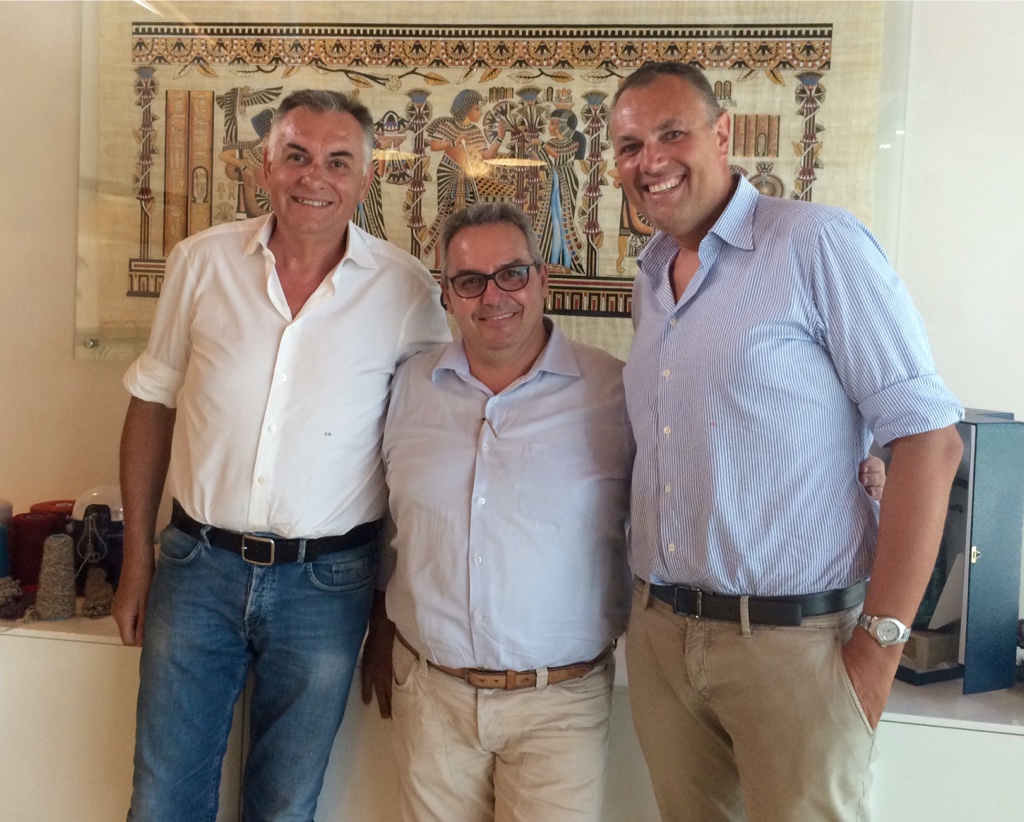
[(755, 396), (509, 509)]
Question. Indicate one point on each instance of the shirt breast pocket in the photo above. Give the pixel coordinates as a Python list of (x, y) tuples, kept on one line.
[(560, 481)]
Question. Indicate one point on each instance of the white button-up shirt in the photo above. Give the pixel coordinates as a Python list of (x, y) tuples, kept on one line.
[(280, 418), (510, 509)]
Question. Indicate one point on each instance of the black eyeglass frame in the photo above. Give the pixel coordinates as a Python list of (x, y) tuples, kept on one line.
[(486, 278)]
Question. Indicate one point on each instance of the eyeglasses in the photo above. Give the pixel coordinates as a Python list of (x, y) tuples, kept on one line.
[(510, 278)]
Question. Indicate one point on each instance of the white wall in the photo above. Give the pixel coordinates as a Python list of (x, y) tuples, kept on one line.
[(961, 242), (59, 419)]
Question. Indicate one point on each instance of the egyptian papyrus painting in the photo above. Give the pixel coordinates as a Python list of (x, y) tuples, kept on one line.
[(464, 112)]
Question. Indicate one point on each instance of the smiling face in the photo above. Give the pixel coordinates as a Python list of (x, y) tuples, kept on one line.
[(672, 163), (316, 172), (500, 329)]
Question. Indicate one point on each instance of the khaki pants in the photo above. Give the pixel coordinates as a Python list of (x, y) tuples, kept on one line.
[(758, 724), (471, 755)]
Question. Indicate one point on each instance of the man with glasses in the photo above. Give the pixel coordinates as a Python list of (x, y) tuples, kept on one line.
[(508, 457)]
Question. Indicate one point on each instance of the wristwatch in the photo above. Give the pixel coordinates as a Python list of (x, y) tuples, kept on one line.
[(884, 630)]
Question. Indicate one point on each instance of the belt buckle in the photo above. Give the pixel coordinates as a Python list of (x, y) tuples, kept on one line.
[(247, 538), (698, 602)]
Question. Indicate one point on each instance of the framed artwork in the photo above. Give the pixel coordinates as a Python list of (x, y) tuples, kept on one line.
[(468, 107)]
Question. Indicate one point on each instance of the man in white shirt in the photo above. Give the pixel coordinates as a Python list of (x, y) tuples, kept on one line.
[(508, 457), (263, 389)]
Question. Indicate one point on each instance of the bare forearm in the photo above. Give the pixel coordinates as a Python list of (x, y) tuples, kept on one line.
[(911, 519), (145, 454), (910, 526), (377, 670)]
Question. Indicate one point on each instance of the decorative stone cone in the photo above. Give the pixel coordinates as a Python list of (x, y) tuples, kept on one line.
[(56, 596)]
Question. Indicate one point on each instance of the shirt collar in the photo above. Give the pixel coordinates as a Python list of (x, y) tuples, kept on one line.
[(556, 358), (735, 226), (262, 228), (357, 252)]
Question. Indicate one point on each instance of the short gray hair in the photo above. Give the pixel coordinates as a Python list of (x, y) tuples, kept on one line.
[(322, 101), (651, 71), (488, 214)]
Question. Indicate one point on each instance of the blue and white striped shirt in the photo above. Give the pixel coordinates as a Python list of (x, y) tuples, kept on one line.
[(752, 399)]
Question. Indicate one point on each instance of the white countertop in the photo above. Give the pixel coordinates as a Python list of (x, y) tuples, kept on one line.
[(943, 704), (76, 629)]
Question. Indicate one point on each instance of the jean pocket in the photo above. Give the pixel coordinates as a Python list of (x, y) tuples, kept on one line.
[(342, 572), (177, 547)]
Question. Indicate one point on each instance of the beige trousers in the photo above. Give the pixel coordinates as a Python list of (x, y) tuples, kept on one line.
[(471, 755), (758, 723)]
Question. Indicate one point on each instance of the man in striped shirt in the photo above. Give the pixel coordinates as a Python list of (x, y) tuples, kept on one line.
[(773, 340)]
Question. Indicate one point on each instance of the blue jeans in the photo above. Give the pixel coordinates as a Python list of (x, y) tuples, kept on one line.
[(211, 618)]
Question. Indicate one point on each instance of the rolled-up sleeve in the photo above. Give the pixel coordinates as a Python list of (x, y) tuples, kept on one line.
[(151, 380), (158, 373), (876, 338), (913, 406)]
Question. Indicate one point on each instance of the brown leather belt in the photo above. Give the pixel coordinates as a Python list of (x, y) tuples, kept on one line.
[(512, 680), (789, 611), (268, 549)]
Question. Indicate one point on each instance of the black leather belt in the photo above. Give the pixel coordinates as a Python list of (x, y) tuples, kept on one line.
[(762, 610), (260, 549)]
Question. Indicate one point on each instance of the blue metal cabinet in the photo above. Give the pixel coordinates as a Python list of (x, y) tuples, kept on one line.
[(993, 470), (983, 531)]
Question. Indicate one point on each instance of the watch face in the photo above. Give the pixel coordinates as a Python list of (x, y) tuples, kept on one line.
[(887, 630)]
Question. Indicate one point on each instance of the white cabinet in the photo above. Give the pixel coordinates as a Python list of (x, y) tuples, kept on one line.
[(946, 757), (67, 724)]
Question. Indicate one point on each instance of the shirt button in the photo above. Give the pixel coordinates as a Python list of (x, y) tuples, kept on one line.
[(260, 480), (271, 428), (668, 488), (477, 616), (672, 547), (672, 321), (282, 377), (478, 560), (666, 373), (481, 501), (667, 430)]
